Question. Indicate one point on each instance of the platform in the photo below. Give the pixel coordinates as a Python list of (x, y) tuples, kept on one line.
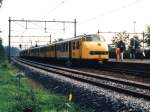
[(142, 61)]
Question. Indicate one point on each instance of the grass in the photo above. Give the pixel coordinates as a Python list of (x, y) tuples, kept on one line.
[(20, 95), (24, 95), (16, 97)]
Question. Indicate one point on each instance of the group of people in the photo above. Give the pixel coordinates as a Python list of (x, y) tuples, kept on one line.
[(135, 50)]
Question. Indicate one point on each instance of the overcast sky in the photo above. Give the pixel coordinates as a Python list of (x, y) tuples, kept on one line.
[(91, 15)]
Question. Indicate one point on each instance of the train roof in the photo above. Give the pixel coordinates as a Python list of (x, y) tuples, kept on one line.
[(63, 41), (70, 39)]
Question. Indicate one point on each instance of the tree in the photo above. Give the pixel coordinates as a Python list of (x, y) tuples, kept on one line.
[(124, 36), (0, 41), (147, 36), (135, 42), (1, 3)]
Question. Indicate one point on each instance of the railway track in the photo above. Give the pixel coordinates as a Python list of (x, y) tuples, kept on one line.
[(133, 69), (127, 87), (124, 70)]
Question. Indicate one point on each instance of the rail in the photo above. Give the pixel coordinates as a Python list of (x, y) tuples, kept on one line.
[(136, 89)]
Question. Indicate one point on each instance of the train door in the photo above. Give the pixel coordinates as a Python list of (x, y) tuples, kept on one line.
[(68, 62), (80, 48), (70, 50), (55, 49)]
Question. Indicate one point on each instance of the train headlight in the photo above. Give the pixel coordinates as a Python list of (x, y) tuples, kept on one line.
[(99, 44)]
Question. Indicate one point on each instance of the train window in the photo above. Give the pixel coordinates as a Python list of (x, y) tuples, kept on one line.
[(73, 45), (95, 38), (62, 47), (102, 38), (44, 49), (77, 44), (53, 48), (47, 48), (57, 47), (41, 49), (66, 46)]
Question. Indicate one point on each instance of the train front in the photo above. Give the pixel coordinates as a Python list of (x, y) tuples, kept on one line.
[(94, 47)]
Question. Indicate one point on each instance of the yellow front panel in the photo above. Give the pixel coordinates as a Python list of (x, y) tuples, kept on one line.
[(93, 46)]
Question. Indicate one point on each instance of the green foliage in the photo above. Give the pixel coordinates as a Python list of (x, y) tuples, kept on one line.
[(147, 35), (3, 59), (134, 42), (26, 100), (2, 54), (124, 36), (1, 3), (16, 97)]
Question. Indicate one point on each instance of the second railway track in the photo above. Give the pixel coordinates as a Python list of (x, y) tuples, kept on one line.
[(132, 88)]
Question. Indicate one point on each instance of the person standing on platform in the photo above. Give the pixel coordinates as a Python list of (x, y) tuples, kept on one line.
[(118, 53), (122, 47), (132, 48)]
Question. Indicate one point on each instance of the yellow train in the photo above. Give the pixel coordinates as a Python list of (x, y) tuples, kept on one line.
[(89, 48)]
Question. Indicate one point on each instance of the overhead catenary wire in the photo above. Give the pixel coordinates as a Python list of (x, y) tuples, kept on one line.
[(44, 26), (23, 26), (28, 36), (111, 11), (37, 25), (56, 7)]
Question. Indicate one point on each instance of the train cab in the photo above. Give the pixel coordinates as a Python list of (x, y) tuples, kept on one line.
[(94, 47)]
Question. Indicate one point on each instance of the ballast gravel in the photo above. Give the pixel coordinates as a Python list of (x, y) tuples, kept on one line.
[(87, 96)]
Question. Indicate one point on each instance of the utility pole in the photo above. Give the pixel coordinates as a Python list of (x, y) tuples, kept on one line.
[(50, 39), (9, 39), (26, 27), (98, 32), (134, 22), (75, 28)]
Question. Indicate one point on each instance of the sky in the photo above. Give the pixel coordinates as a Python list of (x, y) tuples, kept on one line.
[(91, 16)]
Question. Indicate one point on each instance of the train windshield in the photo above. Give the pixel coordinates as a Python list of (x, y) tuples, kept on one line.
[(95, 38)]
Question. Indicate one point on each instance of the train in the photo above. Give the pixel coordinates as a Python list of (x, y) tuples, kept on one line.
[(85, 48)]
